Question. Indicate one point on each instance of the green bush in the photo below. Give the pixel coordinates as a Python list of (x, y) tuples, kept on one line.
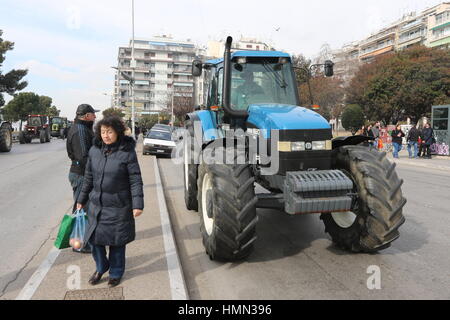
[(352, 118)]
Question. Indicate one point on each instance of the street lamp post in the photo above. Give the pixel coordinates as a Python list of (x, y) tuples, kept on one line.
[(133, 68)]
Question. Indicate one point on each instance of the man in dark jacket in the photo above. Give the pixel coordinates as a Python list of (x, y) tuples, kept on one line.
[(427, 137), (79, 141), (412, 140)]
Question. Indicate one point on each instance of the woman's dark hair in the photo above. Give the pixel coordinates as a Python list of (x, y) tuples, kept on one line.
[(113, 122)]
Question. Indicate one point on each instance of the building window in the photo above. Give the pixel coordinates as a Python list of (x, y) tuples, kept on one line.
[(249, 46), (169, 65), (152, 75), (169, 76), (170, 55), (169, 86), (257, 47)]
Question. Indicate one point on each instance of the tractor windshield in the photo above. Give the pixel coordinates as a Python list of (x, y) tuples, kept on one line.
[(262, 81), (57, 121), (34, 121)]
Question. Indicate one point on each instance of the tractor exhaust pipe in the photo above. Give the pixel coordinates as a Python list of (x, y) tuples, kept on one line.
[(227, 83)]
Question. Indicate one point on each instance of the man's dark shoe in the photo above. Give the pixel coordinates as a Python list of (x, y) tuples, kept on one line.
[(95, 278), (113, 282)]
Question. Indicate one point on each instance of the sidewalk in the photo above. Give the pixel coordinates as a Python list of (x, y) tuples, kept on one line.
[(147, 275), (437, 162)]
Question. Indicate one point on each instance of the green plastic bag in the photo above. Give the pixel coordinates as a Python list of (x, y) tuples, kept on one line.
[(65, 229)]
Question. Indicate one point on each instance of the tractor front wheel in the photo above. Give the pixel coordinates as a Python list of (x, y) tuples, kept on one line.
[(190, 169), (42, 136), (227, 206), (373, 223)]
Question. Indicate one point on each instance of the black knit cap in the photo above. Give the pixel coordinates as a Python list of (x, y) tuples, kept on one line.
[(85, 108)]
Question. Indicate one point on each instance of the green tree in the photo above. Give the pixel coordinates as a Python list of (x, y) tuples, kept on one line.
[(113, 112), (402, 84), (21, 106), (352, 118), (53, 111), (11, 81)]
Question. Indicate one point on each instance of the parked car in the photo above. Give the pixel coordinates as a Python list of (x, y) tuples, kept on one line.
[(158, 142)]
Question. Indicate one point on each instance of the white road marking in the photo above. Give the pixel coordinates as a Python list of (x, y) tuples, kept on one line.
[(177, 284), (30, 288)]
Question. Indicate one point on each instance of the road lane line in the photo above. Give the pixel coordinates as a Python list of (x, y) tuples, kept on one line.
[(30, 288), (177, 283)]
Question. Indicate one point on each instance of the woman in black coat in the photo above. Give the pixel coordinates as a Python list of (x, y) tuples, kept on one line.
[(113, 185), (427, 137)]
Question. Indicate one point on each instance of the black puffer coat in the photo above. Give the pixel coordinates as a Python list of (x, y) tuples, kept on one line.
[(113, 184)]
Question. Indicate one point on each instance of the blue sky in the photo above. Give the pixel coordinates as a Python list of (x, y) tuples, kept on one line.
[(70, 45)]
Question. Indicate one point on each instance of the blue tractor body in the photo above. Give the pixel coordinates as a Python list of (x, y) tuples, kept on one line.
[(252, 116)]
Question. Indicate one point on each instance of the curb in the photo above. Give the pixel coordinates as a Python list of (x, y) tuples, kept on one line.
[(422, 165), (177, 282)]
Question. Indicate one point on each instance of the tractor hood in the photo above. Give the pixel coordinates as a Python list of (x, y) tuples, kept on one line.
[(269, 117)]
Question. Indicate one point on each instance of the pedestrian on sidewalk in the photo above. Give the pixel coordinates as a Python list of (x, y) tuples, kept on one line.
[(428, 140), (113, 183), (376, 133), (412, 140), (397, 140), (78, 143)]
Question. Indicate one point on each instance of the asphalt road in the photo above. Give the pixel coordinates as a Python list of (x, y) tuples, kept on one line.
[(35, 194), (295, 259)]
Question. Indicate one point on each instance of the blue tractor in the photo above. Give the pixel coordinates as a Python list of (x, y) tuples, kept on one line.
[(253, 131)]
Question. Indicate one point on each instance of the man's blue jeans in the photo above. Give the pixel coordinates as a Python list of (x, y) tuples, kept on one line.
[(416, 151), (397, 149), (115, 264)]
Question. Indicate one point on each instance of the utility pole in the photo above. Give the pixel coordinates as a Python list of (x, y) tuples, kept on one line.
[(173, 95), (133, 68)]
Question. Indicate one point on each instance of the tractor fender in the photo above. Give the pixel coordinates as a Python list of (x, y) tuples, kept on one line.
[(350, 141)]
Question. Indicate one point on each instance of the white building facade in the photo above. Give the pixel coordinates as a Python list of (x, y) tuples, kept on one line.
[(163, 69)]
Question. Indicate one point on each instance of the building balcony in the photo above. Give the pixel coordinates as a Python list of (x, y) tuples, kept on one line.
[(377, 52), (378, 37)]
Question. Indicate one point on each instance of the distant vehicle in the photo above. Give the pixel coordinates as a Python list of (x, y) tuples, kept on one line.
[(38, 127), (58, 126), (158, 142)]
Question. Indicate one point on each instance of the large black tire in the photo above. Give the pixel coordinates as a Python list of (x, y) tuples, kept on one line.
[(5, 139), (380, 202), (190, 169), (48, 135), (22, 138), (231, 202), (42, 136)]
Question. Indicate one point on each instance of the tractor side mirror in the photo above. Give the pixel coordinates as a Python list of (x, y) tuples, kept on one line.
[(196, 68), (329, 72)]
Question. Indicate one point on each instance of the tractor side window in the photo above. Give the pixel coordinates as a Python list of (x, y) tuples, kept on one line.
[(219, 86), (212, 90)]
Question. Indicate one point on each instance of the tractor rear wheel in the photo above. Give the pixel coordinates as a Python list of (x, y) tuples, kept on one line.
[(227, 206), (377, 214), (5, 139), (190, 169)]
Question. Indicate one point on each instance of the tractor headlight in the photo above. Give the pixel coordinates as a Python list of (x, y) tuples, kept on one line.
[(297, 146), (322, 145)]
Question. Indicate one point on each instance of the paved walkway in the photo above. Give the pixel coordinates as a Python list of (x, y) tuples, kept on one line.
[(436, 162), (147, 275)]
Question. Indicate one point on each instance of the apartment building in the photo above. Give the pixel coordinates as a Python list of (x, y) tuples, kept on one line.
[(215, 49), (162, 69), (430, 28)]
